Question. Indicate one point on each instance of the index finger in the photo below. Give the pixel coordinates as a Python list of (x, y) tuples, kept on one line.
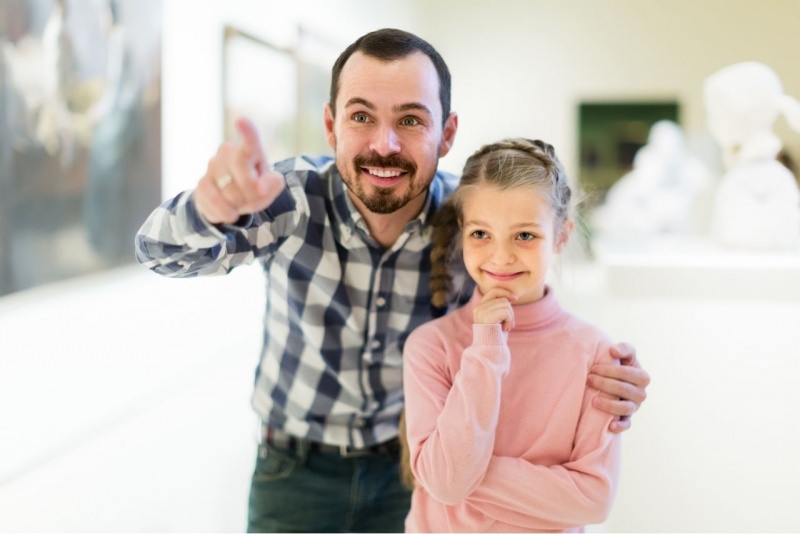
[(250, 147)]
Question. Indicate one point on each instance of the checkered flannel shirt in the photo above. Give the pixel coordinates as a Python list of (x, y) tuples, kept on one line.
[(339, 307)]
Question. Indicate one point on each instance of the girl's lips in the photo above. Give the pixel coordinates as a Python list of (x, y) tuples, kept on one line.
[(503, 277)]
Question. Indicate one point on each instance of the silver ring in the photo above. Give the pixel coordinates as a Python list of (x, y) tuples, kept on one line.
[(224, 181)]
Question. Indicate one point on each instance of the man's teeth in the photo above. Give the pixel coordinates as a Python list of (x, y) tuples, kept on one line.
[(383, 173)]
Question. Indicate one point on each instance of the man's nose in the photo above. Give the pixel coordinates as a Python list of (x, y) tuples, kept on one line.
[(386, 141)]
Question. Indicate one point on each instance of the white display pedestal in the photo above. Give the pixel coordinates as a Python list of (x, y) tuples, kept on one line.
[(697, 267)]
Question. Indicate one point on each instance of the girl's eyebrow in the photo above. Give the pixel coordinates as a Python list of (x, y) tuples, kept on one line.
[(527, 225), (531, 224)]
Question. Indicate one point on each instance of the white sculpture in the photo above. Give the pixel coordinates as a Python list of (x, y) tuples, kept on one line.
[(666, 192), (757, 202)]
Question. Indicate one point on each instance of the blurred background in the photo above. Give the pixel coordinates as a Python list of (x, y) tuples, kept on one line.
[(124, 396)]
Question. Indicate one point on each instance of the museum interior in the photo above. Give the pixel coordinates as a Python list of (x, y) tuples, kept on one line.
[(125, 396)]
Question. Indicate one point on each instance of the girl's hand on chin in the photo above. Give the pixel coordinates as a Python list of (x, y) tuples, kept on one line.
[(495, 308)]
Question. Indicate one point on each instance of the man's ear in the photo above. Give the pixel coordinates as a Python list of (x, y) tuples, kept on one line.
[(330, 134), (563, 235), (449, 134)]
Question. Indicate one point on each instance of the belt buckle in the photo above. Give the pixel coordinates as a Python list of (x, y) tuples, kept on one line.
[(352, 453)]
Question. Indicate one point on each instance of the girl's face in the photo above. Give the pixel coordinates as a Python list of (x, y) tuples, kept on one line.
[(509, 239)]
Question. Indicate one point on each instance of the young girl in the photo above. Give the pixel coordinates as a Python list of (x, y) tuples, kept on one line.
[(501, 431)]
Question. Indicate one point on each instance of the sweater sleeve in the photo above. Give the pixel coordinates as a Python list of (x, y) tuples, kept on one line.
[(451, 422), (574, 493)]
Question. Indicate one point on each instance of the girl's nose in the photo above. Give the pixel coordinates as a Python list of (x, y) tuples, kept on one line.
[(503, 253)]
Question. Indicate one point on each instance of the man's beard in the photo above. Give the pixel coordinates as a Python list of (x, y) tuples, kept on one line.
[(383, 200)]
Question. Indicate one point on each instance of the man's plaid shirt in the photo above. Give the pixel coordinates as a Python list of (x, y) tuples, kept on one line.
[(339, 307)]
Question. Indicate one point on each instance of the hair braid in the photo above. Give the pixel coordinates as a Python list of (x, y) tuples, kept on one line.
[(443, 239)]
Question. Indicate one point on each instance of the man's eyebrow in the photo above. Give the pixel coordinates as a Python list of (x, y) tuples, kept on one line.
[(410, 106), (413, 106), (358, 100)]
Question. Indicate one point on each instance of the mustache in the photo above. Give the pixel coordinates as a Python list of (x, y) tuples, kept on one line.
[(376, 160)]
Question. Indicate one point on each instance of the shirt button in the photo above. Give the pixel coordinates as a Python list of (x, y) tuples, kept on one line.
[(381, 302), (375, 344)]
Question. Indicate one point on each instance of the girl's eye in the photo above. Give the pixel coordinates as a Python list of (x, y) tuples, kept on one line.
[(409, 121), (360, 117), (479, 234), (526, 236)]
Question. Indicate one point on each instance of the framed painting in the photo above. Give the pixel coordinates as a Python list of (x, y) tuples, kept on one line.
[(610, 134), (80, 143)]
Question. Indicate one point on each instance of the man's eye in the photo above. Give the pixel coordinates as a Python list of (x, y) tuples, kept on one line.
[(360, 117), (526, 236), (409, 121)]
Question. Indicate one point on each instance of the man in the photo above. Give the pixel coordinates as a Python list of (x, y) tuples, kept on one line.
[(345, 251)]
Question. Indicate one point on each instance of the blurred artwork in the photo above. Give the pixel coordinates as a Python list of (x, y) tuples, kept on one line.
[(80, 124), (757, 202), (666, 192)]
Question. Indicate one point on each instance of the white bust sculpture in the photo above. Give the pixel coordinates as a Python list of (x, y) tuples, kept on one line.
[(666, 192), (757, 202)]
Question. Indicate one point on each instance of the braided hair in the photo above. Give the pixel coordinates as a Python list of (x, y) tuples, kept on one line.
[(505, 164)]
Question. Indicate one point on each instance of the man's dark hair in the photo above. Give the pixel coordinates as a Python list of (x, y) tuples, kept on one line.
[(390, 44)]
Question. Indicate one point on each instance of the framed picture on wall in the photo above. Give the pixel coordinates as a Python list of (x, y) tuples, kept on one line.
[(610, 134), (80, 135)]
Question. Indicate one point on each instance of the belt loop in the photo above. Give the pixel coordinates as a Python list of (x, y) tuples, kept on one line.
[(301, 450)]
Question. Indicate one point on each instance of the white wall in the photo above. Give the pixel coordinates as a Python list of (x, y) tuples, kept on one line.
[(520, 67), (124, 397)]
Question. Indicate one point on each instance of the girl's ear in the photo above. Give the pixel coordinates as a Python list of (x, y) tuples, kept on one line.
[(563, 235)]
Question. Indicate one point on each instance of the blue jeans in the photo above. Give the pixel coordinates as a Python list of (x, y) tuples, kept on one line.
[(309, 491)]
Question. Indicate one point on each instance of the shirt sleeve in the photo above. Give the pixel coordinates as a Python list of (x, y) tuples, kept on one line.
[(176, 241), (575, 493), (440, 414)]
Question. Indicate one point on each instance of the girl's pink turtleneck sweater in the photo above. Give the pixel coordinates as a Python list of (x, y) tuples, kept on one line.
[(501, 428)]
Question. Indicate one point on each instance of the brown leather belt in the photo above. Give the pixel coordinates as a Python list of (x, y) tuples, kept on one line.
[(282, 440)]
